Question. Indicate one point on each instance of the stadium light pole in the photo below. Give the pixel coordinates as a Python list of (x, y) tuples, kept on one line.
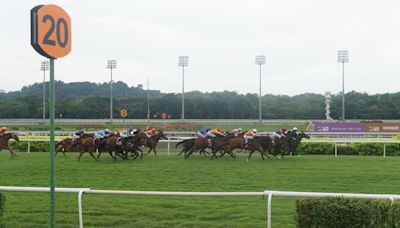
[(44, 67), (260, 60), (148, 104), (111, 64), (183, 62), (343, 57)]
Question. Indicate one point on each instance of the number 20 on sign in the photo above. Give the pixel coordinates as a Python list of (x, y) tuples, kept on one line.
[(51, 31)]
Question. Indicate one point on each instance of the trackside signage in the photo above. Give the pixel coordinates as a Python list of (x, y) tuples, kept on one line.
[(339, 127)]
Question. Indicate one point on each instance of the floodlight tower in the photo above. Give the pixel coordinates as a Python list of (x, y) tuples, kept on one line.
[(183, 62), (111, 64), (260, 60), (44, 67), (343, 57), (148, 104)]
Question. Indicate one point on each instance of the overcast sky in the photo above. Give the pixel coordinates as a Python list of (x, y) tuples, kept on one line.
[(299, 38)]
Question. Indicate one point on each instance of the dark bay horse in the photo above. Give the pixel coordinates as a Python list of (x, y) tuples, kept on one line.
[(187, 145), (4, 142), (129, 144), (152, 141), (289, 143)]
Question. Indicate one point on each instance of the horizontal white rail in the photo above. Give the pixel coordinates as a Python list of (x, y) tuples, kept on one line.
[(333, 141), (269, 193)]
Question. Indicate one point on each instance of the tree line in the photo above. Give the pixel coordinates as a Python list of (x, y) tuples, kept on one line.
[(90, 100)]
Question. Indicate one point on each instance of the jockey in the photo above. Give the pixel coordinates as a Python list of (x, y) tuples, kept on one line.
[(249, 136), (102, 134), (294, 129), (3, 130), (215, 133), (151, 132), (203, 132), (279, 133), (128, 132), (237, 131), (77, 135)]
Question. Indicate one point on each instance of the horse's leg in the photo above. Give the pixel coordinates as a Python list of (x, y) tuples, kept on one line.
[(91, 154), (251, 153), (262, 154), (155, 152), (231, 154), (80, 155), (11, 152), (113, 158)]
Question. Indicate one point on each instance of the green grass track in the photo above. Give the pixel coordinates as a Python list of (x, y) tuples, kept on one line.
[(351, 174)]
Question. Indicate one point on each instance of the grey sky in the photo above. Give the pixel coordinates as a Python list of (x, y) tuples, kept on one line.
[(299, 38)]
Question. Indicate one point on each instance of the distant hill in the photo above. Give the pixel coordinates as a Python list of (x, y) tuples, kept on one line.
[(82, 90), (88, 100)]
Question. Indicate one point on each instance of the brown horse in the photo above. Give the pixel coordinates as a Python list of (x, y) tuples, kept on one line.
[(202, 144), (260, 144), (129, 144), (152, 141), (70, 144), (4, 142), (87, 145)]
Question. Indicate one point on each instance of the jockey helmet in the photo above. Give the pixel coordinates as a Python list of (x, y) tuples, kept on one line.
[(219, 130), (254, 130), (3, 129), (239, 129), (294, 129), (106, 130)]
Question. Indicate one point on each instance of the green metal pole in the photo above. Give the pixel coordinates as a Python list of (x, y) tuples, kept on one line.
[(52, 147)]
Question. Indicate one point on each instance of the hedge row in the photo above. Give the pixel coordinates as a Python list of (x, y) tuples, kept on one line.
[(349, 149), (2, 204), (345, 212)]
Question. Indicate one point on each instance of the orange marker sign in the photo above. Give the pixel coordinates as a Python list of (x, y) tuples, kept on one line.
[(50, 31), (123, 113)]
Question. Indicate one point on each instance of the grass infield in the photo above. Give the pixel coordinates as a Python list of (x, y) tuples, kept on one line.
[(350, 174)]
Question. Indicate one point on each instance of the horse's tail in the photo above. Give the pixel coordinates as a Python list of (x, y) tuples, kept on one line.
[(183, 141), (58, 144)]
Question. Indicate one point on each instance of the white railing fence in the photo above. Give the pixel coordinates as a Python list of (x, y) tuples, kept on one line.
[(336, 142), (268, 193)]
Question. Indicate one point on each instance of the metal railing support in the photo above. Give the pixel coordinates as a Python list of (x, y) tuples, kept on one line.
[(269, 210), (80, 208)]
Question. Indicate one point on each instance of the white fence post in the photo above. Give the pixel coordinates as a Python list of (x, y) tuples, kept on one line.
[(384, 150), (169, 145), (80, 208), (269, 210), (335, 150), (29, 147)]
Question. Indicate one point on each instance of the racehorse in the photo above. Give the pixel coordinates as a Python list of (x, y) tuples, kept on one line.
[(68, 144), (4, 142), (289, 143), (129, 144), (217, 144), (259, 143), (87, 145), (152, 141), (296, 143), (187, 145)]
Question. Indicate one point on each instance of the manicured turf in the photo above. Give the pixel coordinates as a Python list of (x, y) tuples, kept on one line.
[(170, 173)]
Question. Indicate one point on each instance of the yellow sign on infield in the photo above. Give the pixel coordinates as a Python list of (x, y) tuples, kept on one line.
[(123, 113)]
